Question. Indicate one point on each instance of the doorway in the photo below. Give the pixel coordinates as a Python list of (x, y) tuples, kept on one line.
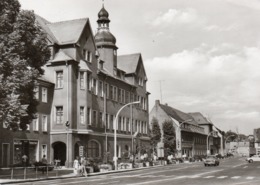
[(59, 149)]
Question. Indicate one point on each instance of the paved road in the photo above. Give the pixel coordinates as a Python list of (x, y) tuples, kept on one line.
[(233, 171)]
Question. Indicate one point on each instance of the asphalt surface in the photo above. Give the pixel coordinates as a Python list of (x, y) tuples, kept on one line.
[(234, 171)]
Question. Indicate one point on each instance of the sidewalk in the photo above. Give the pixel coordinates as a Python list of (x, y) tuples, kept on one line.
[(72, 175)]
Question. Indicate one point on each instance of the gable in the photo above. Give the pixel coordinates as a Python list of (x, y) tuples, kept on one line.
[(67, 32)]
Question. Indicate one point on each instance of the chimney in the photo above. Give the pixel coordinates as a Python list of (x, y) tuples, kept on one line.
[(157, 102)]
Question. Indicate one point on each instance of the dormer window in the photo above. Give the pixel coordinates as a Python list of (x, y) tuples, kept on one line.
[(87, 55)]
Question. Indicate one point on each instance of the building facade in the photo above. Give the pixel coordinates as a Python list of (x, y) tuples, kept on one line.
[(91, 84), (34, 142), (190, 137)]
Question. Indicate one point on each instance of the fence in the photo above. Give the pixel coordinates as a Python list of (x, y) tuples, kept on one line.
[(36, 172)]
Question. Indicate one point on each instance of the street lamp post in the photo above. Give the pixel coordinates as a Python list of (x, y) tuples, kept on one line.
[(178, 145), (208, 141), (115, 139)]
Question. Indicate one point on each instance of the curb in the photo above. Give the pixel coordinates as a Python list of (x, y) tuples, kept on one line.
[(89, 175)]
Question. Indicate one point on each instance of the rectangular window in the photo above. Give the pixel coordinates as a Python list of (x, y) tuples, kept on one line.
[(100, 89), (94, 86), (87, 55), (127, 97), (115, 93), (123, 96), (89, 82), (119, 95), (82, 80), (59, 79), (107, 122), (123, 124), (94, 117), (89, 116), (44, 94), (136, 127), (82, 115), (111, 121), (100, 122), (107, 90), (111, 92), (44, 150), (59, 115), (36, 123), (118, 124), (44, 123), (36, 92)]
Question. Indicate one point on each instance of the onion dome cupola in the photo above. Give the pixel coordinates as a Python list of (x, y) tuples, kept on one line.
[(103, 36)]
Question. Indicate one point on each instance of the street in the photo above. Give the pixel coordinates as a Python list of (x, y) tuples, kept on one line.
[(234, 171)]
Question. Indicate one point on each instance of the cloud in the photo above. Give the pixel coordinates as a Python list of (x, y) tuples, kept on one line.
[(173, 16), (252, 4), (224, 85)]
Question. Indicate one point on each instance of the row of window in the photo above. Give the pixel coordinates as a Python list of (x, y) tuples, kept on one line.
[(95, 118), (44, 93), (36, 123), (97, 87)]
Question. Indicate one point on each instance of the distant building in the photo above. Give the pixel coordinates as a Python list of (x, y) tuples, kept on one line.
[(191, 138), (216, 141), (245, 148), (257, 140)]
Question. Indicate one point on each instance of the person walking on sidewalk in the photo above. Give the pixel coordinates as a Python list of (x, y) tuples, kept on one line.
[(76, 165), (83, 167)]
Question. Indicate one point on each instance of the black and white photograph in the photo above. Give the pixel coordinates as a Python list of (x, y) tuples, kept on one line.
[(141, 92)]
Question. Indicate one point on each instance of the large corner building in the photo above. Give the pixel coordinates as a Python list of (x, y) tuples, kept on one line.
[(88, 83)]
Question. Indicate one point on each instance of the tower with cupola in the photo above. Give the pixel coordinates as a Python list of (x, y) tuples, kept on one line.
[(106, 42)]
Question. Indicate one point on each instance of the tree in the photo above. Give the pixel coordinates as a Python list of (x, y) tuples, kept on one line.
[(169, 138), (23, 51), (155, 133)]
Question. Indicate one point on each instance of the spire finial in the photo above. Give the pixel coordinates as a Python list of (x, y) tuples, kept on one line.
[(103, 3)]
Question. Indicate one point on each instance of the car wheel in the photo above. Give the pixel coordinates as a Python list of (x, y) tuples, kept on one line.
[(205, 164), (250, 161)]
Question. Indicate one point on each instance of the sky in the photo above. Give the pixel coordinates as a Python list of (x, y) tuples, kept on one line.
[(200, 55)]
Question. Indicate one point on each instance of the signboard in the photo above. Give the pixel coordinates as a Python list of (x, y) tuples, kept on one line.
[(81, 151), (160, 149)]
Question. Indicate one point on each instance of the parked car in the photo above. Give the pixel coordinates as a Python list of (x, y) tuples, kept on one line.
[(254, 158), (219, 156), (211, 160)]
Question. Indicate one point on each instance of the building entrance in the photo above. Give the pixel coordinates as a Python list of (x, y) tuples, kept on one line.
[(59, 149)]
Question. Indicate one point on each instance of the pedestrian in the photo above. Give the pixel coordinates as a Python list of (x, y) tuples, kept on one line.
[(24, 160), (44, 164), (83, 167), (76, 165)]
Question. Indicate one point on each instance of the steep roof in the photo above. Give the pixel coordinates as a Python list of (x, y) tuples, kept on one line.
[(44, 25), (68, 32), (177, 114), (128, 63), (199, 118)]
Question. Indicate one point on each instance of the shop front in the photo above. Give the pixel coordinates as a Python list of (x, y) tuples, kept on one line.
[(26, 150)]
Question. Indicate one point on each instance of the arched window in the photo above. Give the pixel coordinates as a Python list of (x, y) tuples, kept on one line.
[(93, 149)]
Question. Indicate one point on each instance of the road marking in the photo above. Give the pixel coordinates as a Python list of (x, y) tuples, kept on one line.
[(109, 182), (170, 179), (194, 176), (235, 177), (250, 178), (245, 166), (208, 177), (222, 177), (237, 165)]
